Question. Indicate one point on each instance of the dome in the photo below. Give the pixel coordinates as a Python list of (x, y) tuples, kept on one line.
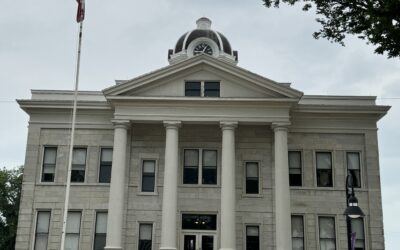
[(203, 33)]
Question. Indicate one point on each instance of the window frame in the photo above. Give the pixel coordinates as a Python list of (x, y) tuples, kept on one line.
[(203, 88), (304, 228), (36, 225), (42, 163), (319, 230), (360, 162), (200, 167), (364, 230), (259, 193), (139, 223), (95, 226), (247, 225), (142, 160), (332, 168), (86, 164), (100, 165), (80, 226), (301, 168)]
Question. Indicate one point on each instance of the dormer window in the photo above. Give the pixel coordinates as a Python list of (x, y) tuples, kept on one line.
[(202, 88)]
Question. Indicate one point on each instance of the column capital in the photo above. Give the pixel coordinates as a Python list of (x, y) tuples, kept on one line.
[(280, 126), (121, 123), (228, 125), (172, 124)]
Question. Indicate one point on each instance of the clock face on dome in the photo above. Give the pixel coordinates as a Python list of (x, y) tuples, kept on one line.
[(203, 48)]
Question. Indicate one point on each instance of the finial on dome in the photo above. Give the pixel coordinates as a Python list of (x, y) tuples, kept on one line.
[(203, 23)]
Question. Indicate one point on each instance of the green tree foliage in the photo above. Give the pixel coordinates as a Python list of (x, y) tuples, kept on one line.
[(10, 193), (376, 21)]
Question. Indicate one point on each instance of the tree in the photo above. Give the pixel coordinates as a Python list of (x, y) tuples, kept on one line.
[(10, 193), (376, 21)]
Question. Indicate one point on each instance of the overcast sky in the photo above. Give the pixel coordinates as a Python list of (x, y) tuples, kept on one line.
[(123, 39)]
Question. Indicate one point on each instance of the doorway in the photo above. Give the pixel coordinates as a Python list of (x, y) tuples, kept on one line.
[(199, 241)]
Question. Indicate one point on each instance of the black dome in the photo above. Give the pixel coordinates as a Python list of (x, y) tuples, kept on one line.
[(203, 30)]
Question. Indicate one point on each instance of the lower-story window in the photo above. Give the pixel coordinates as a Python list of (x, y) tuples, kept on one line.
[(100, 231), (252, 238), (297, 232), (327, 234), (42, 230), (357, 228), (73, 230), (145, 236)]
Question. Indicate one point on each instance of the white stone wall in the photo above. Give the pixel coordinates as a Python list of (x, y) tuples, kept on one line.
[(253, 143)]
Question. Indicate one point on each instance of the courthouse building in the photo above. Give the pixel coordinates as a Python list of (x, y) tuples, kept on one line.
[(200, 154)]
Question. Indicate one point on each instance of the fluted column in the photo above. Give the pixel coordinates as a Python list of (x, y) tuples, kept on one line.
[(228, 187), (282, 193), (170, 189), (117, 187)]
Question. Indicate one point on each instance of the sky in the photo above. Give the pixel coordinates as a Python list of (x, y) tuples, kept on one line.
[(123, 39)]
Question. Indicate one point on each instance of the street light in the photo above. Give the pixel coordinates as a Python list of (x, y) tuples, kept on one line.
[(353, 211)]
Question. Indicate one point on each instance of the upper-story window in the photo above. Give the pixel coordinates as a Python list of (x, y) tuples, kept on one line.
[(105, 165), (324, 169), (200, 166), (353, 167), (357, 228), (295, 176), (252, 178), (78, 165), (202, 88), (42, 230), (148, 176), (49, 164)]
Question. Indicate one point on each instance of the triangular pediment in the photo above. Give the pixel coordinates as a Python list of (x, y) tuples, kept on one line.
[(169, 81)]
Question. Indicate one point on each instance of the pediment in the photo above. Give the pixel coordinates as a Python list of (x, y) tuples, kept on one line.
[(235, 81)]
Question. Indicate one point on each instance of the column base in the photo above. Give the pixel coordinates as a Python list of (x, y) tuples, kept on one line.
[(168, 248), (112, 248), (227, 249)]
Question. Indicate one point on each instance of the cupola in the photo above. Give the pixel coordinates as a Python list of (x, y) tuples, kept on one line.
[(202, 40)]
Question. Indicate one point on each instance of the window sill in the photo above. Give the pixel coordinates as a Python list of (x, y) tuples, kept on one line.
[(252, 196), (199, 186), (147, 194)]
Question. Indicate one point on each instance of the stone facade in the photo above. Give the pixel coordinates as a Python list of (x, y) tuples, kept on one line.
[(255, 105)]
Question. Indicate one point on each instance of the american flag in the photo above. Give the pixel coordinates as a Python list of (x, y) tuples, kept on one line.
[(80, 15)]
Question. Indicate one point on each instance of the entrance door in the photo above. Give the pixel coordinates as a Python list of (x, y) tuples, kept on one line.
[(199, 241)]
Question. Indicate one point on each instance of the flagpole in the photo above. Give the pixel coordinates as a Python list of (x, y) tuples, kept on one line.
[(71, 145)]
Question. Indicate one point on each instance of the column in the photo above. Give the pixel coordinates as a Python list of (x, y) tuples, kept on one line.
[(228, 187), (170, 190), (282, 193), (117, 187)]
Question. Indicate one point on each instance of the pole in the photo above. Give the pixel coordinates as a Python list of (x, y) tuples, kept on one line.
[(349, 192), (71, 146)]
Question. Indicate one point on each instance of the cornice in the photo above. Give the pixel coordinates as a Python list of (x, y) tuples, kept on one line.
[(27, 105)]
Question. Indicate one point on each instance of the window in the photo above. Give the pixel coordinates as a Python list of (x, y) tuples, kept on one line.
[(297, 232), (252, 178), (202, 88), (324, 169), (199, 221), (145, 236), (105, 165), (357, 226), (42, 230), (200, 159), (192, 88), (49, 164), (327, 238), (100, 231), (73, 229), (252, 238), (148, 175), (295, 176), (353, 167), (211, 89), (78, 165)]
